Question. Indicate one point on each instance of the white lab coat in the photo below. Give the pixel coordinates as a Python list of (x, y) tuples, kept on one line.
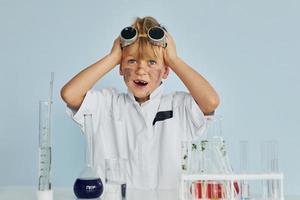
[(125, 129)]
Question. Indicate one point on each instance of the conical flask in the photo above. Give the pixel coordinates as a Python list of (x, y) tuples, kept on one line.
[(88, 185)]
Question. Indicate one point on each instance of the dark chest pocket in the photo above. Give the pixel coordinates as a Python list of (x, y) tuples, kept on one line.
[(162, 115)]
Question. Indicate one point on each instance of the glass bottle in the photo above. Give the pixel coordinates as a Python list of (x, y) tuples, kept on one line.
[(88, 185)]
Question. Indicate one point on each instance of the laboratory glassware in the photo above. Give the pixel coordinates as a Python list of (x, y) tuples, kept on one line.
[(206, 157), (88, 185), (44, 188), (115, 178), (185, 156), (269, 160), (213, 126), (244, 159), (214, 160), (207, 189)]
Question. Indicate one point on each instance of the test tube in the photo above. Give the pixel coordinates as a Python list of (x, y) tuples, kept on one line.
[(184, 156), (269, 160), (245, 192), (185, 167)]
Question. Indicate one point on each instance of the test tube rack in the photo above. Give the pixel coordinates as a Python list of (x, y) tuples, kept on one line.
[(231, 179)]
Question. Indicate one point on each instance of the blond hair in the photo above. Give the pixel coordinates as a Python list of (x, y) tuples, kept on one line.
[(145, 49)]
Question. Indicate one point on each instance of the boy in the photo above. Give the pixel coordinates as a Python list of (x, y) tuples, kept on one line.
[(144, 125)]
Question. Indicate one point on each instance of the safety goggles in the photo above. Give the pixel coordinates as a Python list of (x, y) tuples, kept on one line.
[(156, 36)]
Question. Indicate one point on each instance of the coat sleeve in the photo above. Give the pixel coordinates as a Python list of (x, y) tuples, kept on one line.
[(191, 116)]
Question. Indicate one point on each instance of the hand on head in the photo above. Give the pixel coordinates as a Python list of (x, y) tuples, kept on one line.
[(116, 51), (170, 51)]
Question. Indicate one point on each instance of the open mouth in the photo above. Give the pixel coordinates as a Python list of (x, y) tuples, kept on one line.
[(140, 83)]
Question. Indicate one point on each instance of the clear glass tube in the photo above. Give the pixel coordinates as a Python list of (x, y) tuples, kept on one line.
[(269, 153), (88, 132), (244, 156), (186, 167), (244, 159), (269, 160), (44, 146)]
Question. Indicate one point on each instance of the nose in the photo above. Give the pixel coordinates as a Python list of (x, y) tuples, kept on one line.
[(141, 68)]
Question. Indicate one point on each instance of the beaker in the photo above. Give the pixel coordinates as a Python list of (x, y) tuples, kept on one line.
[(88, 185)]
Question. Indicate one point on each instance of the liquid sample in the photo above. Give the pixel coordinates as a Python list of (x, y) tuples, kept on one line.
[(88, 188)]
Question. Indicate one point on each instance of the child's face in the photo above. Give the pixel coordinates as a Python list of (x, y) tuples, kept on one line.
[(142, 74)]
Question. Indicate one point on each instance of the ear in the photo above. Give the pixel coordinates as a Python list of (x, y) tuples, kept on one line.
[(166, 72)]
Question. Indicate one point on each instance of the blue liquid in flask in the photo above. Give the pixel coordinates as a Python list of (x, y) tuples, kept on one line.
[(88, 188)]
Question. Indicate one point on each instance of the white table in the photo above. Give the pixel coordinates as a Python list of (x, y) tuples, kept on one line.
[(29, 193)]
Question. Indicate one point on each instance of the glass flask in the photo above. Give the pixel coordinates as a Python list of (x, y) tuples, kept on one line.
[(88, 185)]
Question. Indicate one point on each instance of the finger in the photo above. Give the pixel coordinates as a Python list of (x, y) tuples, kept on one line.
[(169, 38), (168, 35)]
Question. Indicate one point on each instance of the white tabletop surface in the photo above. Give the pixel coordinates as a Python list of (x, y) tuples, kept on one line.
[(29, 193)]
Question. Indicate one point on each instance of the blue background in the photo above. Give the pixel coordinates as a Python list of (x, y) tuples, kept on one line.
[(248, 50)]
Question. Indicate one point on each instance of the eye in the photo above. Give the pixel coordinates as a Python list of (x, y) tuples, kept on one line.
[(131, 61), (152, 62)]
